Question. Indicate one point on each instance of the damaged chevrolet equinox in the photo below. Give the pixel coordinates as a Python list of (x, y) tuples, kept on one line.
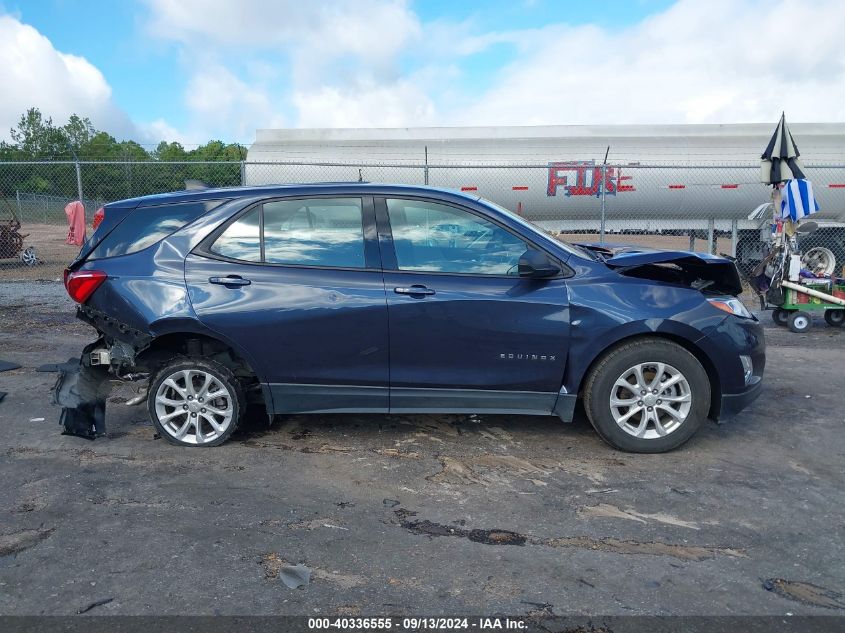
[(397, 299)]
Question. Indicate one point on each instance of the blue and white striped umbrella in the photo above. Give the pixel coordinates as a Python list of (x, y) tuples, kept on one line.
[(798, 200)]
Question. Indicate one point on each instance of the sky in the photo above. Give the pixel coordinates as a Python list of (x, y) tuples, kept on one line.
[(196, 70)]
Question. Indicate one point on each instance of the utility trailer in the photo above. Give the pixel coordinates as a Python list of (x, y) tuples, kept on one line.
[(801, 300)]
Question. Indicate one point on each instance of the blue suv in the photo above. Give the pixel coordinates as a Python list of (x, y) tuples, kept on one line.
[(358, 297)]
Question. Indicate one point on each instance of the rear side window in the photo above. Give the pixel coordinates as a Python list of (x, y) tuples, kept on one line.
[(147, 225), (311, 232), (242, 238)]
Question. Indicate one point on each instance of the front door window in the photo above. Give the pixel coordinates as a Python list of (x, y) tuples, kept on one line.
[(432, 237)]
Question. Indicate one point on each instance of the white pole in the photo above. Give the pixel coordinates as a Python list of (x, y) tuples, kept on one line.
[(813, 293)]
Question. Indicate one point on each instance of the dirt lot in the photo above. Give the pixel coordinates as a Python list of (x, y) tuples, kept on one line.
[(419, 514)]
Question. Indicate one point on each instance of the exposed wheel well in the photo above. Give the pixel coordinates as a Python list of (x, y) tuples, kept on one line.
[(692, 348), (165, 347)]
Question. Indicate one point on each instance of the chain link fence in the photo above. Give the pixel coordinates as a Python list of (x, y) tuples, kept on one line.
[(713, 208)]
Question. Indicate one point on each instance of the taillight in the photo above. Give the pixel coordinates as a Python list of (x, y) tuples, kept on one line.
[(81, 284), (98, 217)]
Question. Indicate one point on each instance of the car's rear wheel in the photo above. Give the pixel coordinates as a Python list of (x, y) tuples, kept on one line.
[(195, 402), (647, 396)]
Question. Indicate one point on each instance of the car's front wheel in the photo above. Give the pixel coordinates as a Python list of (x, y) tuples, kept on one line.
[(647, 396), (195, 402)]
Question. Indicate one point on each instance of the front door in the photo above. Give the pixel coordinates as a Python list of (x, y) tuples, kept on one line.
[(466, 332), (298, 285)]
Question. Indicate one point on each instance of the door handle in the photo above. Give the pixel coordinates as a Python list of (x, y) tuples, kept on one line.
[(414, 290), (229, 280)]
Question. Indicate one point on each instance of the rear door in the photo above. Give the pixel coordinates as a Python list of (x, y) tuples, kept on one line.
[(466, 332), (297, 283)]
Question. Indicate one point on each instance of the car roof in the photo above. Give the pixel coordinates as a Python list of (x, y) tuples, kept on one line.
[(301, 189)]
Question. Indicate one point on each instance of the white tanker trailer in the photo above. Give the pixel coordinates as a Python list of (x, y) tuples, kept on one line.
[(699, 180)]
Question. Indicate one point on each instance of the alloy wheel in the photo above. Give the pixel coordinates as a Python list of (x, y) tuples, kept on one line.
[(29, 256), (650, 400), (194, 406)]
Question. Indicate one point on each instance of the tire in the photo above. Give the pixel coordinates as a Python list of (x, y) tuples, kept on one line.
[(800, 322), (780, 316), (691, 396), (178, 412), (29, 256), (834, 318)]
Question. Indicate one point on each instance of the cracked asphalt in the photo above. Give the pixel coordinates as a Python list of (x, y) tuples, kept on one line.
[(419, 515)]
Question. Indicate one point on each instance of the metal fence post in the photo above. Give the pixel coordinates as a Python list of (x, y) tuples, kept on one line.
[(425, 169), (18, 198), (78, 179), (603, 197), (243, 173), (711, 241), (734, 227)]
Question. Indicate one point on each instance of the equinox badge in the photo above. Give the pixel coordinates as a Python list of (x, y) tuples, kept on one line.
[(540, 357)]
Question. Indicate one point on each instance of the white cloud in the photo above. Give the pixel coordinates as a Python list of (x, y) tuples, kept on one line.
[(720, 61), (361, 63), (373, 30), (221, 102), (34, 73), (342, 59), (358, 63), (397, 105), (160, 129)]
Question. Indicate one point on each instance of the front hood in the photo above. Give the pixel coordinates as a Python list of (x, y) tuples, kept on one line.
[(702, 271)]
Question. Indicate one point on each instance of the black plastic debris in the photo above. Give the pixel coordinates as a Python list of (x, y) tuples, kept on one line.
[(8, 366), (295, 576), (97, 603), (81, 391)]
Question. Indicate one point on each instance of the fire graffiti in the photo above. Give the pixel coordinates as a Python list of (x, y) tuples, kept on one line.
[(587, 179)]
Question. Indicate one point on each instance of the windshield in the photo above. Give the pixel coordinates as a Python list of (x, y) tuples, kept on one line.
[(570, 248)]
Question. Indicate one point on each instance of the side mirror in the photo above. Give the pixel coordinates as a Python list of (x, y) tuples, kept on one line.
[(536, 265)]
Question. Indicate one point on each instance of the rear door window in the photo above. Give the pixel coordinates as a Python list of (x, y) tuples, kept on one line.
[(326, 232), (146, 226), (318, 232)]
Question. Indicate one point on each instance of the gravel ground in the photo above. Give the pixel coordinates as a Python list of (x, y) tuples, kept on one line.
[(419, 514)]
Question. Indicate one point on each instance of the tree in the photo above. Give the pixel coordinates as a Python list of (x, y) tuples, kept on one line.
[(37, 137), (111, 171), (79, 132)]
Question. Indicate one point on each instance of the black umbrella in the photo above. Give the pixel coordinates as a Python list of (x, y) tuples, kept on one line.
[(780, 160)]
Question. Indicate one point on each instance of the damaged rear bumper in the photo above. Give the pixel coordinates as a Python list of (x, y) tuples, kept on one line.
[(81, 392)]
